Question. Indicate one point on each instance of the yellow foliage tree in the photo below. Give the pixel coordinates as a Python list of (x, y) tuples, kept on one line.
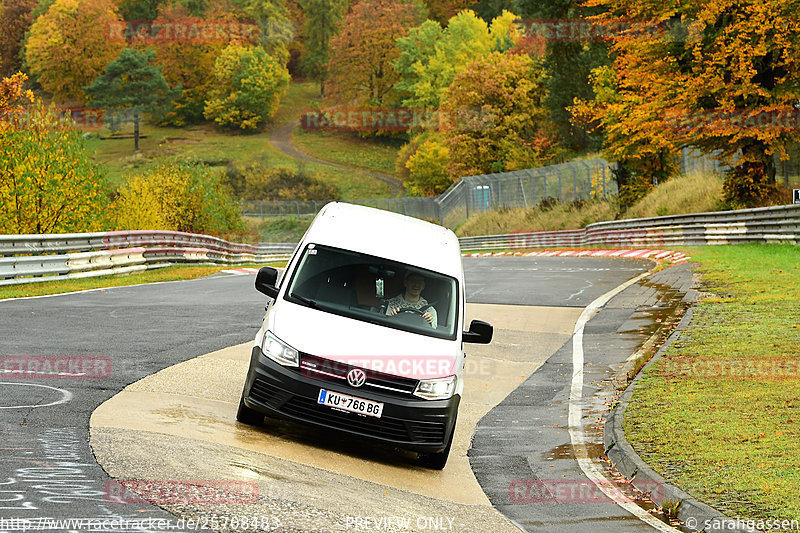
[(48, 182), (176, 197), (70, 45)]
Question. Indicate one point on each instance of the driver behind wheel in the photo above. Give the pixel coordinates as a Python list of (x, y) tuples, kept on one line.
[(411, 298)]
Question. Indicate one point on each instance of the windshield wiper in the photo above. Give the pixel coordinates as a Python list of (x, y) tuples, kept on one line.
[(308, 301)]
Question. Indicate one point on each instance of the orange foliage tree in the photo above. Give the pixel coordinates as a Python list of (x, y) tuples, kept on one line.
[(69, 46), (364, 50), (16, 17), (721, 75)]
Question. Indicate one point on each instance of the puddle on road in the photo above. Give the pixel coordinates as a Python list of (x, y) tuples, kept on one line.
[(594, 450)]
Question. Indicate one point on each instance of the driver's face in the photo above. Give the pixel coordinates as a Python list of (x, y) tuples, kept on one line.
[(414, 285)]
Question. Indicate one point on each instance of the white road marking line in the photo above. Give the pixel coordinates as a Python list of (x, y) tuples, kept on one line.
[(589, 467), (65, 396)]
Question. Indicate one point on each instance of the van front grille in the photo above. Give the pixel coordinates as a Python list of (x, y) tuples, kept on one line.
[(328, 370), (308, 410)]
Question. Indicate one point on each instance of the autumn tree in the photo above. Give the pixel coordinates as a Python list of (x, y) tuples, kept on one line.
[(427, 169), (176, 196), (322, 18), (48, 182), (723, 75), (634, 135), (443, 10), (248, 85), (187, 62), (132, 84), (501, 123), (16, 17), (363, 52), (69, 46), (430, 56)]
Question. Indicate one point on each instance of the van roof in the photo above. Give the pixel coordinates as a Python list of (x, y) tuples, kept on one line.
[(386, 234)]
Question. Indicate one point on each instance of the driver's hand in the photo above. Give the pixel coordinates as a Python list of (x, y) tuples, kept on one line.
[(393, 311), (429, 317)]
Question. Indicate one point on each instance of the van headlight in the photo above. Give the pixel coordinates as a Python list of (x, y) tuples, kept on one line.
[(436, 389), (279, 351)]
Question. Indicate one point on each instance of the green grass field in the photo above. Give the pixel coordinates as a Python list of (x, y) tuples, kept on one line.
[(219, 148), (378, 154), (719, 414)]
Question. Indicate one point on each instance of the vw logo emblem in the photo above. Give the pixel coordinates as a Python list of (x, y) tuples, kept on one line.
[(356, 377)]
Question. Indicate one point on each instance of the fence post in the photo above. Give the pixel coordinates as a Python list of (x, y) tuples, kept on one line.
[(604, 181), (560, 194)]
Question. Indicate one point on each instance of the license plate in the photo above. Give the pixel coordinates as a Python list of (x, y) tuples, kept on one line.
[(350, 403)]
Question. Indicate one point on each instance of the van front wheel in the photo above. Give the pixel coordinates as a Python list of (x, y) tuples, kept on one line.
[(248, 416), (436, 461)]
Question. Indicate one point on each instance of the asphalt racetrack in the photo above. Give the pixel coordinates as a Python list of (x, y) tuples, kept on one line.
[(175, 420)]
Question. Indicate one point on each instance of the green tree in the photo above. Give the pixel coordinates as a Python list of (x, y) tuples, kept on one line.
[(569, 62), (132, 84), (322, 18), (275, 29), (48, 182), (69, 46), (248, 86), (431, 56), (502, 123)]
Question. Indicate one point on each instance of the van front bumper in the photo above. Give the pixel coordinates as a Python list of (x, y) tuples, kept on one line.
[(413, 423)]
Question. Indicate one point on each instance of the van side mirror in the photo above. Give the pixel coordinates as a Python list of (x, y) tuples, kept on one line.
[(266, 279), (480, 332)]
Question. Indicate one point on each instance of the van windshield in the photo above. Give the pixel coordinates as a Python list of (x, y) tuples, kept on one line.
[(376, 290)]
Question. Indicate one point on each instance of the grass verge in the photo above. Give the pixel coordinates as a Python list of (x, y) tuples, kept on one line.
[(719, 414), (173, 273)]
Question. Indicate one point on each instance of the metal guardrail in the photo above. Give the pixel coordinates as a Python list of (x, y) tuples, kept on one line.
[(762, 225), (36, 258), (32, 258)]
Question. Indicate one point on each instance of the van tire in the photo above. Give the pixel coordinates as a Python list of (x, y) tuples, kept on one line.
[(437, 460), (248, 416)]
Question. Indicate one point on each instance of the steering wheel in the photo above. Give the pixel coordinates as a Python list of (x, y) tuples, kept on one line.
[(412, 310)]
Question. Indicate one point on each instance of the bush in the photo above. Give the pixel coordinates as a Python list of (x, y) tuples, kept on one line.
[(178, 197), (428, 170), (48, 182), (262, 183), (248, 87)]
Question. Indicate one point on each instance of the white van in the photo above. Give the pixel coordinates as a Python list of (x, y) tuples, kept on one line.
[(364, 333)]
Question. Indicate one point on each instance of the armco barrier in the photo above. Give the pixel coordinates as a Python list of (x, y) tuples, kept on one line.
[(761, 225), (33, 258)]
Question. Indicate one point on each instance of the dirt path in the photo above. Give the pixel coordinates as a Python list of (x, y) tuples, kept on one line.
[(281, 139)]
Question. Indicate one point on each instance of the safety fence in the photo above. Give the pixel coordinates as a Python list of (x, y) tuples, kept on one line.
[(34, 258), (567, 182), (31, 258)]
